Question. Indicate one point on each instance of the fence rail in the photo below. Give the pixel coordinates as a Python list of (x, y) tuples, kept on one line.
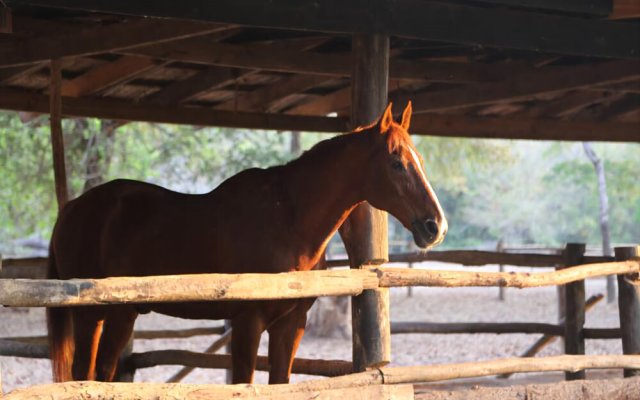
[(289, 285)]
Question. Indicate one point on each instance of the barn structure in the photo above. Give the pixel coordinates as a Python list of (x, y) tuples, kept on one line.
[(517, 69)]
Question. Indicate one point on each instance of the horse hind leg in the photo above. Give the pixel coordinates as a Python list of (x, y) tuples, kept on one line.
[(117, 330), (87, 328), (245, 340)]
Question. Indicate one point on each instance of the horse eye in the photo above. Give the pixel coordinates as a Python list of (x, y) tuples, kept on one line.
[(398, 166)]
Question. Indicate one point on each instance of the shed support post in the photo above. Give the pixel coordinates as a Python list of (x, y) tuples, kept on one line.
[(574, 308), (57, 140), (365, 232), (629, 306)]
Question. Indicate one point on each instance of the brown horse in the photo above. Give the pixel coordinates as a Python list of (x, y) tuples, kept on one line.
[(261, 220)]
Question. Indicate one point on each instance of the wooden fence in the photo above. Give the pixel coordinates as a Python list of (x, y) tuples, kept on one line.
[(222, 287)]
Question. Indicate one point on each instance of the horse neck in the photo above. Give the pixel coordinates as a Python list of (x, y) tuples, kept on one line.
[(324, 185)]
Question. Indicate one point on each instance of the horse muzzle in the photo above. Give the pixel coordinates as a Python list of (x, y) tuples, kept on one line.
[(427, 232)]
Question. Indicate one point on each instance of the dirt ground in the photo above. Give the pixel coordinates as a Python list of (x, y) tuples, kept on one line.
[(426, 304)]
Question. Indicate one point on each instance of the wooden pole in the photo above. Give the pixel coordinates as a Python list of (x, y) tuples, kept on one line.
[(368, 226), (501, 290), (629, 306), (57, 140), (574, 308)]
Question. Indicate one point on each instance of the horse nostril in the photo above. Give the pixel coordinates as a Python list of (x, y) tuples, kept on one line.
[(431, 227)]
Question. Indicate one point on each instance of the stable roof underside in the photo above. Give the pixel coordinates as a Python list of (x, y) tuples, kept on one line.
[(537, 69)]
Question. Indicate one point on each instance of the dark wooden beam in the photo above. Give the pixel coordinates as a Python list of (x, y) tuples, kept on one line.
[(566, 105), (437, 21), (524, 128), (527, 85), (425, 124), (279, 59), (57, 141), (170, 114), (599, 8), (100, 39)]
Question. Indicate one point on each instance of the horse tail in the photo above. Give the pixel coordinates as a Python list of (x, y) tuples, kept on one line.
[(60, 328)]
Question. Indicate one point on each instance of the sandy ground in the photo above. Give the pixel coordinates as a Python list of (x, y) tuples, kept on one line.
[(426, 304)]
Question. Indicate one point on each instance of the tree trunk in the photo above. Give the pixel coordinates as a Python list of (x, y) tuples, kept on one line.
[(598, 165)]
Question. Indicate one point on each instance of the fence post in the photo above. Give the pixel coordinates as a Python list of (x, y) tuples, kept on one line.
[(629, 306), (370, 310), (574, 308), (501, 289)]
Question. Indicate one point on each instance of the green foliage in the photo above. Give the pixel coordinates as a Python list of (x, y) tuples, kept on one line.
[(521, 192)]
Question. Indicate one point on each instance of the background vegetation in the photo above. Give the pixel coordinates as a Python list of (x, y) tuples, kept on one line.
[(518, 191)]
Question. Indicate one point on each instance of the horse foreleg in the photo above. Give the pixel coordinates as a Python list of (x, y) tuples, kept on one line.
[(87, 327), (284, 338), (117, 330), (245, 340)]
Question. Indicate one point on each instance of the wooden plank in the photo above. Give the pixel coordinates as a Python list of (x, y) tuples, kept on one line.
[(203, 81), (629, 306), (165, 391), (106, 75), (524, 128), (285, 59), (57, 139), (290, 285), (424, 124), (100, 39), (366, 241), (337, 100), (625, 9), (262, 99), (600, 8), (574, 308), (398, 327), (128, 111), (11, 73), (566, 105), (578, 390), (527, 85), (223, 361), (447, 22)]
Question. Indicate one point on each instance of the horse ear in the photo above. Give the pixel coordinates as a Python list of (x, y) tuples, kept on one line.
[(387, 119), (406, 117)]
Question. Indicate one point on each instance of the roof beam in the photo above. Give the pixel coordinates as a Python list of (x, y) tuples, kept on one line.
[(600, 8), (437, 21), (426, 124), (202, 81), (527, 85), (107, 75), (100, 39), (281, 59)]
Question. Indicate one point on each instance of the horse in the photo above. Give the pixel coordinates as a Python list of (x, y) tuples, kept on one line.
[(269, 220)]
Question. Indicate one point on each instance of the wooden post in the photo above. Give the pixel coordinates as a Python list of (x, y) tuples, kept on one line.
[(57, 140), (575, 308), (501, 289), (629, 306), (369, 227)]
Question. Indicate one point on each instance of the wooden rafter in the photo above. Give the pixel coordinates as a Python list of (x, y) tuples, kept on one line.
[(9, 74), (107, 75), (567, 105), (425, 124), (527, 85), (203, 81), (100, 39), (625, 9), (436, 21), (261, 99), (274, 58)]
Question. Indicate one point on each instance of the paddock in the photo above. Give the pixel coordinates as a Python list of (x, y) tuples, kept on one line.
[(515, 69)]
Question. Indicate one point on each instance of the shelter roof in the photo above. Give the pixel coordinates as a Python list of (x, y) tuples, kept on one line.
[(538, 69)]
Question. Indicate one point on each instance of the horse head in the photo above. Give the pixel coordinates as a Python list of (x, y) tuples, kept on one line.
[(398, 182)]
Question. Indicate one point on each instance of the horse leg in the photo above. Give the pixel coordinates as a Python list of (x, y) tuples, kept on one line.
[(117, 330), (284, 338), (87, 327), (245, 340)]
